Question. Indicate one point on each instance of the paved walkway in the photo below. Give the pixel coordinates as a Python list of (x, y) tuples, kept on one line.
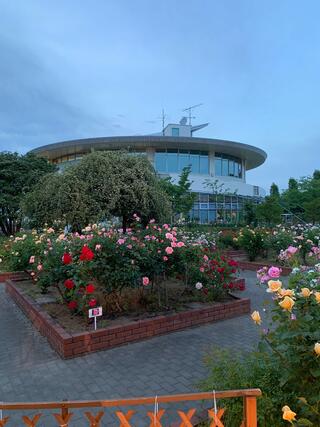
[(31, 371)]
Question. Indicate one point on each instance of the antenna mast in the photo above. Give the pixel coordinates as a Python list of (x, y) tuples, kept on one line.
[(189, 110)]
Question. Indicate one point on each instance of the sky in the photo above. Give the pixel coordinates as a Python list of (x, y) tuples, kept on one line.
[(76, 69)]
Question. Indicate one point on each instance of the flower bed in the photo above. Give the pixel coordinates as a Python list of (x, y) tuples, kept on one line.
[(70, 345)]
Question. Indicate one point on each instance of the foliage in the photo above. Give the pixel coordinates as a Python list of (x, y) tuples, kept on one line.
[(286, 365), (18, 175), (102, 185), (113, 262), (180, 194), (250, 213), (270, 210), (252, 241)]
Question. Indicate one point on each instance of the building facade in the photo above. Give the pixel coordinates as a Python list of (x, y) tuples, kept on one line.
[(218, 167)]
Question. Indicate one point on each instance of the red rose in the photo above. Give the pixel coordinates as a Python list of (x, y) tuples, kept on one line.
[(220, 269), (90, 288), (66, 258), (92, 302), (72, 305), (86, 254), (69, 284)]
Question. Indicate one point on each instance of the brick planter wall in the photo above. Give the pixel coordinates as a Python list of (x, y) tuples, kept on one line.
[(11, 275), (72, 345)]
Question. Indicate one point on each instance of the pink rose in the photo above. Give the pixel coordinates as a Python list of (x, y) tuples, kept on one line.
[(121, 241), (205, 258), (292, 250), (39, 267), (145, 281), (169, 250), (180, 244), (98, 247), (169, 236), (129, 246), (201, 269), (274, 272), (173, 244), (31, 260), (165, 258)]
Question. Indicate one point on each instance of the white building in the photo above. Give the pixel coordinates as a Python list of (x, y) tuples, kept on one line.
[(212, 160)]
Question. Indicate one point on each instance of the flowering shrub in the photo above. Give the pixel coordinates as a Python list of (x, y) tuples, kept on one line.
[(252, 241), (99, 265), (294, 339)]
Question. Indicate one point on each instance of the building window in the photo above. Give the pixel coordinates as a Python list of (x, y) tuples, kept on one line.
[(175, 131), (255, 190), (170, 161), (226, 165)]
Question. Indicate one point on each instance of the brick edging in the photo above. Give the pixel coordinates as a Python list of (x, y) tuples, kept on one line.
[(254, 266), (73, 345), (6, 275)]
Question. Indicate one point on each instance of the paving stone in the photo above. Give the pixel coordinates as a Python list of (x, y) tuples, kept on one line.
[(169, 364)]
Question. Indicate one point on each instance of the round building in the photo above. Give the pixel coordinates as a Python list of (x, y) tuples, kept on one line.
[(218, 167)]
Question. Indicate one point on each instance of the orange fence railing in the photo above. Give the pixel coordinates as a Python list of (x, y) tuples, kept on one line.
[(187, 418)]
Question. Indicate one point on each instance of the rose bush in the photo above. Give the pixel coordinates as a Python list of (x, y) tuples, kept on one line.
[(100, 265)]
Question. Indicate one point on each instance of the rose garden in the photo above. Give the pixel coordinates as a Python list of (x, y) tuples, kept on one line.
[(69, 248)]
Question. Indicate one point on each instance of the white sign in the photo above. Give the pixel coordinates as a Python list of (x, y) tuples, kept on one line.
[(95, 312)]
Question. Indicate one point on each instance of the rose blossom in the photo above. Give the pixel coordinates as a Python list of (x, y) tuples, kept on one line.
[(180, 244), (165, 258), (145, 281), (169, 250), (274, 272), (31, 260), (199, 286)]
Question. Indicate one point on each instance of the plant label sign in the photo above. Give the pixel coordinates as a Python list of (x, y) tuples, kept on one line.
[(95, 312)]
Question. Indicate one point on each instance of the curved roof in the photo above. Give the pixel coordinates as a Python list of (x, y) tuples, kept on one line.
[(253, 155)]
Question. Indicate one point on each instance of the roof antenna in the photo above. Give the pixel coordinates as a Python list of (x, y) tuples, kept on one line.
[(163, 118), (189, 109)]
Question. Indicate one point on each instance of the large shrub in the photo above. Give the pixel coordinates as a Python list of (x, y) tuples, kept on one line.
[(102, 185)]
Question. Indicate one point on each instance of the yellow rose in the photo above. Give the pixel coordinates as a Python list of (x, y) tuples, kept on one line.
[(305, 292), (317, 295), (274, 285), (255, 316), (317, 348), (288, 415), (287, 303), (287, 292)]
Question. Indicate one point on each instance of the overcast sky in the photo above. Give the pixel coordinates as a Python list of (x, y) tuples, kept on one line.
[(76, 68)]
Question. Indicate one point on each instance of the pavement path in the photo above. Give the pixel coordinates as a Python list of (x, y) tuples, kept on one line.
[(31, 371)]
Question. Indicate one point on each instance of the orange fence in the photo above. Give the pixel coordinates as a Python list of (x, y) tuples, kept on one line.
[(213, 416)]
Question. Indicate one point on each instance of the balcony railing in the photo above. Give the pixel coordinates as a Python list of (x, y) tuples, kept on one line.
[(125, 417)]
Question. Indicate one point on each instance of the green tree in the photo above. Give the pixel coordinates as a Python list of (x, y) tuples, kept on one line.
[(270, 210), (274, 190), (101, 185), (18, 176), (180, 194), (250, 213)]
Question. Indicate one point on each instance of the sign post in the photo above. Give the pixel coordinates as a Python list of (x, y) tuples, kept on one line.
[(94, 313)]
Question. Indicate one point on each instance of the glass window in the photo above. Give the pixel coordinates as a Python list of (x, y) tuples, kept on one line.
[(212, 216), (204, 165), (204, 198), (184, 160), (161, 162), (204, 217), (231, 168), (194, 161), (175, 131), (225, 169), (172, 162)]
